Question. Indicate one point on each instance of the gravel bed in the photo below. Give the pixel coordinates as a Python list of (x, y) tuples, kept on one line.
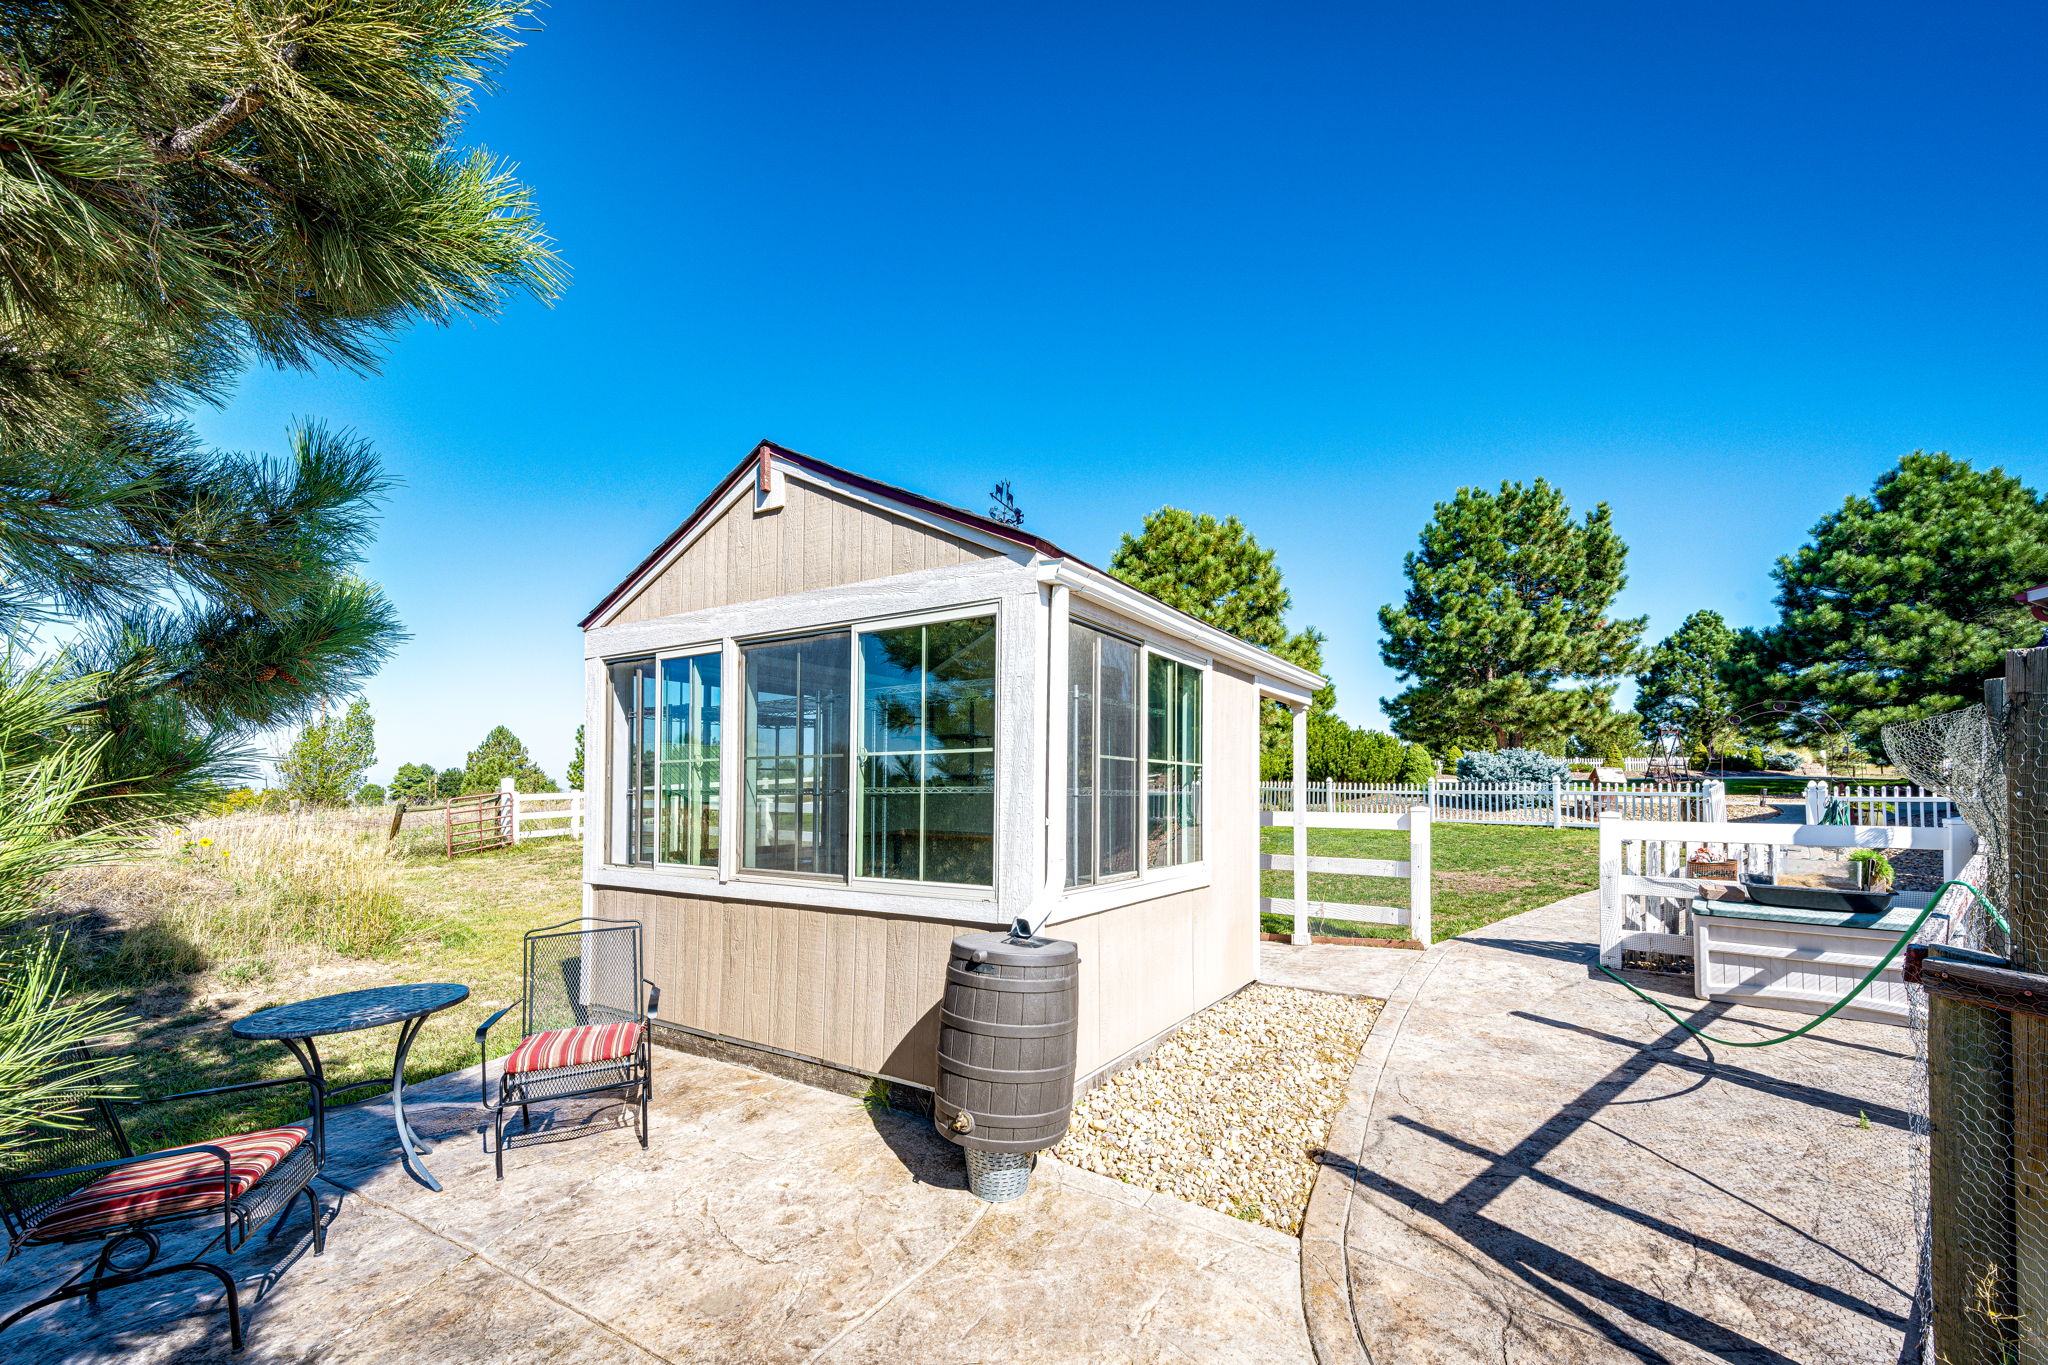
[(1230, 1112)]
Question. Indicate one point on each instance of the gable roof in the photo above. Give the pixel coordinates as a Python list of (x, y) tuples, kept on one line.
[(746, 468), (1091, 578)]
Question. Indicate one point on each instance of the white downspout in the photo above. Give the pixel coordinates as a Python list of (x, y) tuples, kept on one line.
[(1056, 687)]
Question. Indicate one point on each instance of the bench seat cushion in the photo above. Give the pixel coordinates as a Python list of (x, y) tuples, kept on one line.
[(181, 1183), (574, 1047)]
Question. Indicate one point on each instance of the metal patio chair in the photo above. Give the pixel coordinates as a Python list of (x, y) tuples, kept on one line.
[(100, 1189), (583, 1023)]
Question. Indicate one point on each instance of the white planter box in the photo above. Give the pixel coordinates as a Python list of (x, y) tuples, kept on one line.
[(1789, 965)]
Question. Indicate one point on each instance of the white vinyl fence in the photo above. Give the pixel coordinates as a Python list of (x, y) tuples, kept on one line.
[(1899, 803), (1574, 804), (1415, 867), (540, 815)]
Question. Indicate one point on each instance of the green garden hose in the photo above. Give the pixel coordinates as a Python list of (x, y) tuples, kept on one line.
[(1821, 1018)]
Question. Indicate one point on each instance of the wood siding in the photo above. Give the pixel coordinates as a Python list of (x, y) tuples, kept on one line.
[(818, 539), (862, 990)]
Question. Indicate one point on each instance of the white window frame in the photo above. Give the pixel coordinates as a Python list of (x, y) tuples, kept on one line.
[(616, 790), (734, 772), (1148, 881)]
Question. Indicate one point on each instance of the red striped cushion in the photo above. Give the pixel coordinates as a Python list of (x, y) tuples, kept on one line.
[(169, 1184), (574, 1047)]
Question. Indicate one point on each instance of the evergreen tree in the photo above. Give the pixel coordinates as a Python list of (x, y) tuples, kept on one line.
[(414, 782), (450, 783), (1418, 769), (191, 188), (1217, 572), (327, 762), (1901, 602), (1504, 635), (371, 794), (1684, 688), (502, 755), (575, 774)]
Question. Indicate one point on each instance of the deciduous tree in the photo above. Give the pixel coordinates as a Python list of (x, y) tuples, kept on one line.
[(327, 762), (1901, 602), (414, 782), (1504, 635)]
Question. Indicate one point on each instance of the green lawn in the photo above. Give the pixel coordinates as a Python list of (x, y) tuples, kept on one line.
[(470, 914), (1481, 873)]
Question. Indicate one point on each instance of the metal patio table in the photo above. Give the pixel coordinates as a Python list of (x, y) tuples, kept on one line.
[(297, 1025)]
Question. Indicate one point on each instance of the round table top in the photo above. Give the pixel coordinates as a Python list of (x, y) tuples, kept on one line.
[(349, 1011)]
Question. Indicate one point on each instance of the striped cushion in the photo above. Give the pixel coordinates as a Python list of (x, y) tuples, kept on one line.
[(574, 1047), (166, 1185)]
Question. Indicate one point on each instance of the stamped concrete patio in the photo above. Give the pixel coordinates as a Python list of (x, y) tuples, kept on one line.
[(770, 1221), (1535, 1167)]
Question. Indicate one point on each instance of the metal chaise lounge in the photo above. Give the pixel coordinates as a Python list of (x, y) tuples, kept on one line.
[(103, 1191), (583, 1024)]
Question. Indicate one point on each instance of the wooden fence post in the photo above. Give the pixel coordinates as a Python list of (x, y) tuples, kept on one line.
[(397, 819)]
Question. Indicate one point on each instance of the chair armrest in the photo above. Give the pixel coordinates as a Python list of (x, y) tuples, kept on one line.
[(222, 1090), (485, 1026), (483, 1072), (653, 998)]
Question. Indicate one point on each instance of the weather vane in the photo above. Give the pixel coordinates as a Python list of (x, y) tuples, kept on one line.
[(1004, 508)]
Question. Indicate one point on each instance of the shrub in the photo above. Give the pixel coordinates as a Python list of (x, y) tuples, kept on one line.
[(370, 794), (1511, 765), (1418, 769), (1782, 760)]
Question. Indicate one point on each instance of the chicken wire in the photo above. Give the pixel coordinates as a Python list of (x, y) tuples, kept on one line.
[(1981, 1109)]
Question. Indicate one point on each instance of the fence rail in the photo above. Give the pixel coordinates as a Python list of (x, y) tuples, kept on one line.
[(1415, 867), (543, 815), (1574, 804)]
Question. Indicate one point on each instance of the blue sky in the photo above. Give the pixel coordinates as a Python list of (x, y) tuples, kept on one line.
[(1316, 265)]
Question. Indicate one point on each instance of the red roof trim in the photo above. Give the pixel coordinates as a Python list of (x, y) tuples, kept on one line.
[(757, 462)]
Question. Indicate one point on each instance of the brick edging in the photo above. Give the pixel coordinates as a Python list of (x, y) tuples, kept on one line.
[(1325, 1283)]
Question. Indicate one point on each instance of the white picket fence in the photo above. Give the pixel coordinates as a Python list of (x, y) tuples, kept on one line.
[(540, 815), (1901, 804), (1415, 867), (1573, 804)]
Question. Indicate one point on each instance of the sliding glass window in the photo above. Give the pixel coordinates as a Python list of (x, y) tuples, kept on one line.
[(1102, 757), (634, 743), (799, 697), (664, 766), (1173, 770), (928, 703), (690, 740)]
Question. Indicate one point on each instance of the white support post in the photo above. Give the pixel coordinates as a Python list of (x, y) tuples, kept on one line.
[(1610, 889), (1058, 684), (1960, 848), (1301, 933), (1816, 801), (1419, 874), (1557, 803), (1717, 800), (508, 807)]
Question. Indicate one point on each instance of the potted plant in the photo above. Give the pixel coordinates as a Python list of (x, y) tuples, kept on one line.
[(1871, 870)]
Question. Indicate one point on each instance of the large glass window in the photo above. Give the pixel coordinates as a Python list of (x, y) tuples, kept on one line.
[(634, 743), (798, 718), (665, 744), (1173, 767), (690, 737), (1102, 757), (928, 698)]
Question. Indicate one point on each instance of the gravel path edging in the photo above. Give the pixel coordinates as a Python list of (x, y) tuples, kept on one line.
[(1325, 1285)]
